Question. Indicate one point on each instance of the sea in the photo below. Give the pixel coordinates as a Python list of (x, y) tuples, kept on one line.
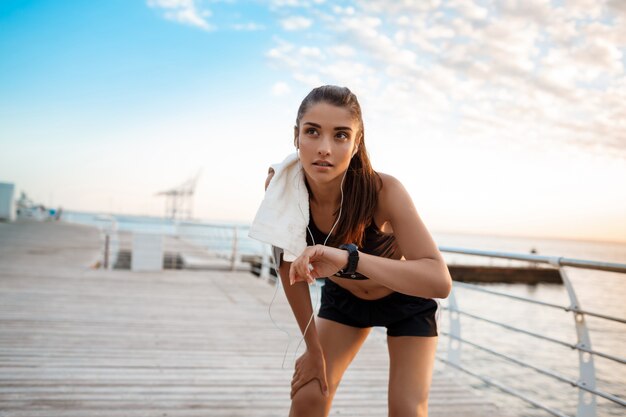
[(596, 291)]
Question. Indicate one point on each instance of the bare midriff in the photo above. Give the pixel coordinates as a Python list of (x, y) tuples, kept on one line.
[(365, 289)]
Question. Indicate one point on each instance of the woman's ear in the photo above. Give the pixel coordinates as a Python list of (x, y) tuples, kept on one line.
[(295, 137), (356, 145)]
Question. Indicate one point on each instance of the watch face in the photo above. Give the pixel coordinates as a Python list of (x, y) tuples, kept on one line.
[(350, 247)]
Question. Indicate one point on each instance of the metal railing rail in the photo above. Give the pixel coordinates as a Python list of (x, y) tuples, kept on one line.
[(543, 303), (586, 383), (551, 260), (540, 336), (544, 371), (505, 388), (222, 243)]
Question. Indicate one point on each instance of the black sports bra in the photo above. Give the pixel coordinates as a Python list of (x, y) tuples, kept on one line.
[(375, 242)]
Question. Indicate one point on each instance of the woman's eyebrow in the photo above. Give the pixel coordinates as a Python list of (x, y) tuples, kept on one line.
[(319, 126)]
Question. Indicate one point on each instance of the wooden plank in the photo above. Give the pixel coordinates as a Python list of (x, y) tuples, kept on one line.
[(75, 341)]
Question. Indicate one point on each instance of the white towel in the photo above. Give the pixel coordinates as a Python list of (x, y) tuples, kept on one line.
[(283, 216)]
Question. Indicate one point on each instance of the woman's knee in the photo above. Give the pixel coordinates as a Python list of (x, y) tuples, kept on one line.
[(407, 407), (309, 401)]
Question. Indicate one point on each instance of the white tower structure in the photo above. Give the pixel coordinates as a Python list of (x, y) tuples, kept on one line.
[(7, 205), (179, 200)]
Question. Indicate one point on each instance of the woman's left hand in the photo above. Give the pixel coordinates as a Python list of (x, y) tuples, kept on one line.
[(325, 260)]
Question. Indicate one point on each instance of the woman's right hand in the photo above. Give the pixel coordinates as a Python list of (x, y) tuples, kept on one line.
[(310, 365)]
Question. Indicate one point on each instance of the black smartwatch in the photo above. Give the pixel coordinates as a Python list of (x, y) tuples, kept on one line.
[(353, 259)]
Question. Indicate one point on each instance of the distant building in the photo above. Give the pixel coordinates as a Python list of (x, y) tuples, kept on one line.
[(7, 204)]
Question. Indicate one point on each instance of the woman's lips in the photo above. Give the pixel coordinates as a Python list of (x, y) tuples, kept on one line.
[(323, 164)]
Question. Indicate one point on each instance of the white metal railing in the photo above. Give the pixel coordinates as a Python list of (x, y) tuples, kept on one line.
[(586, 383), (218, 241), (109, 234)]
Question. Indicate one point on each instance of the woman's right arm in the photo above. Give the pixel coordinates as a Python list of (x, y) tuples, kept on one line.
[(311, 364), (299, 299)]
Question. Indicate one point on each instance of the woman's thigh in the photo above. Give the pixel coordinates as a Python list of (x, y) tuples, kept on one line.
[(411, 361), (341, 343)]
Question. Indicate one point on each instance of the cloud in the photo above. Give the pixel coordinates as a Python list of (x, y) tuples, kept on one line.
[(296, 23), (532, 71), (343, 50), (284, 54), (286, 3), (248, 27), (617, 6), (311, 52), (280, 89), (183, 11)]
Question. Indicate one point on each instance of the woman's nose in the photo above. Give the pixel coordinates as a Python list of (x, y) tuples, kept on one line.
[(324, 146)]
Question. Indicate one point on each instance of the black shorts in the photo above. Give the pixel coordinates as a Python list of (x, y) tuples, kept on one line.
[(401, 314)]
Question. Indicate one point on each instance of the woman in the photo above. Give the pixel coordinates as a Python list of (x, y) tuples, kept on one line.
[(382, 266)]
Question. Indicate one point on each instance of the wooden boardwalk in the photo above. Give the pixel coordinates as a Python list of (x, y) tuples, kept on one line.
[(81, 342)]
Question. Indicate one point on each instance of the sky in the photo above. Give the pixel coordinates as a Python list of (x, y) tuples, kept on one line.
[(500, 117)]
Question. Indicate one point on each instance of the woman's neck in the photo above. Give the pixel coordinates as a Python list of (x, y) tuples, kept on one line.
[(325, 196)]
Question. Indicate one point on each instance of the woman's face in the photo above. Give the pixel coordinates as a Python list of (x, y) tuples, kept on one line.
[(326, 138)]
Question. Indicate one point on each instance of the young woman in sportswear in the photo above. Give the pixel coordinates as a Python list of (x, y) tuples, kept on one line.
[(381, 264)]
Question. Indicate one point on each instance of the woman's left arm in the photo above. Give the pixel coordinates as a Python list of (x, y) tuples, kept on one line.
[(423, 272)]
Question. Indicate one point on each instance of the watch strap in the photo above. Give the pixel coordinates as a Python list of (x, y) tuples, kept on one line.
[(353, 259)]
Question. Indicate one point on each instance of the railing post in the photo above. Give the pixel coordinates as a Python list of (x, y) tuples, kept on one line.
[(106, 251), (233, 259), (265, 264), (454, 341), (113, 244), (586, 367)]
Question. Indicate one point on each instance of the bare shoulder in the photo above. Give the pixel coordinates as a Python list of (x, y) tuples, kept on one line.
[(391, 193), (390, 183)]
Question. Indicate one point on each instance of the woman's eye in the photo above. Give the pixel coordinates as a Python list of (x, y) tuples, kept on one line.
[(342, 135), (310, 131)]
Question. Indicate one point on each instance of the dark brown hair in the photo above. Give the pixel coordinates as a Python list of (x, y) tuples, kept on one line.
[(362, 183)]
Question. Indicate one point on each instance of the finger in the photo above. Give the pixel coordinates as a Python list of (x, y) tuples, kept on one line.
[(303, 271), (297, 384), (295, 273), (306, 272), (292, 274), (323, 384)]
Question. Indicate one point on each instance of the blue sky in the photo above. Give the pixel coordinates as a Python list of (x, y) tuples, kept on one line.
[(498, 116)]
